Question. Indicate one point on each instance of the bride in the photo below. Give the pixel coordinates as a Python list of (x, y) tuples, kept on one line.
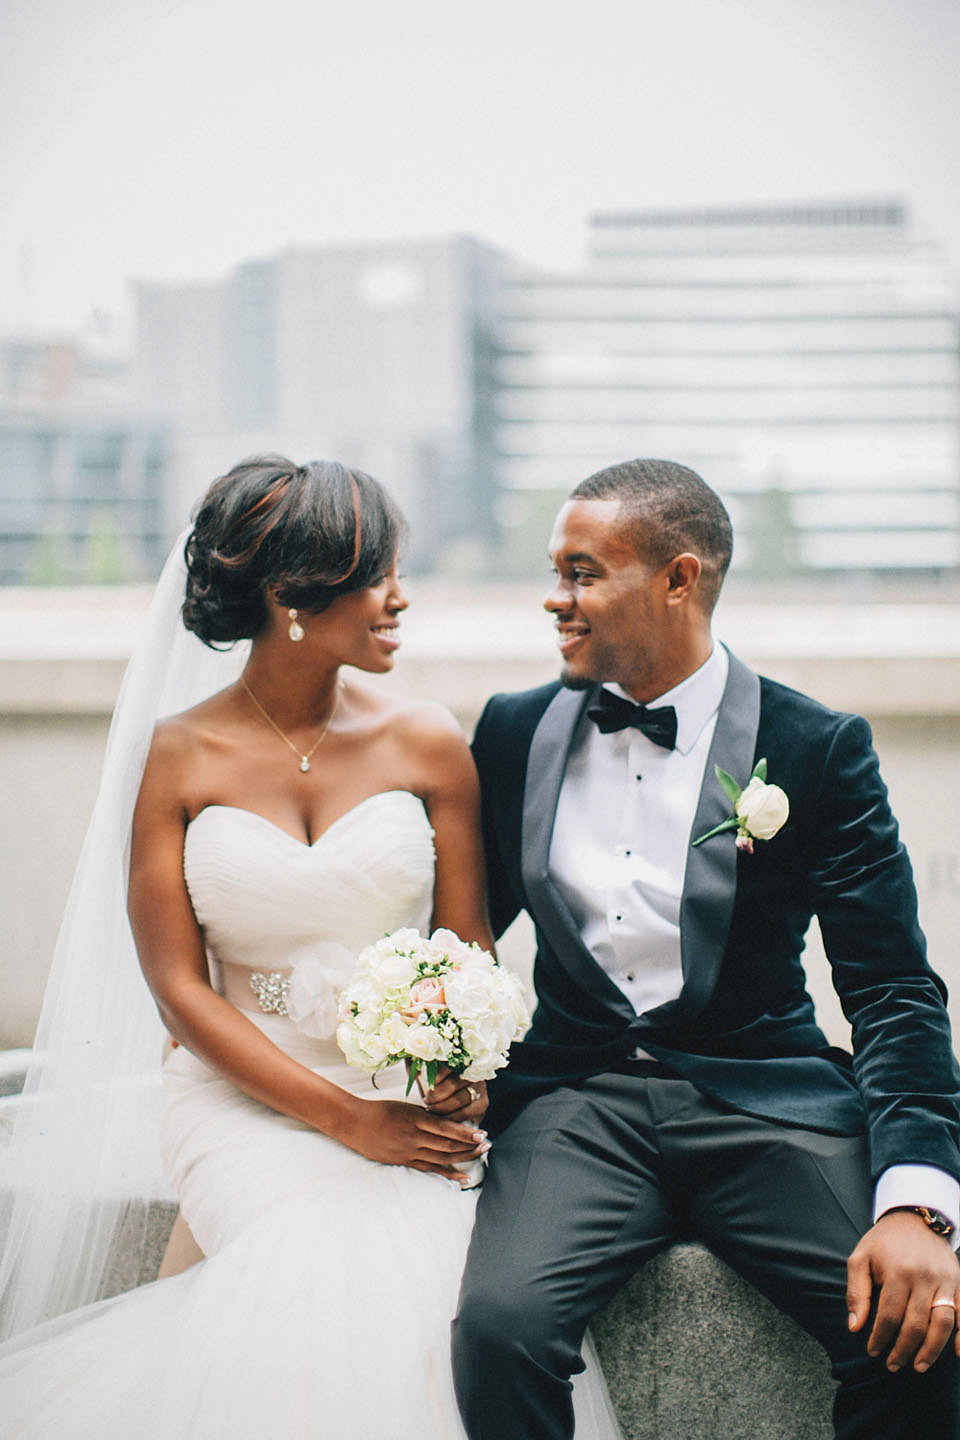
[(279, 825)]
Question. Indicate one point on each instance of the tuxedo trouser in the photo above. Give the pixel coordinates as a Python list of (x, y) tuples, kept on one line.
[(588, 1183)]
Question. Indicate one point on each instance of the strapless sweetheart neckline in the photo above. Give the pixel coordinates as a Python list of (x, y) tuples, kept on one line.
[(352, 812), (262, 895)]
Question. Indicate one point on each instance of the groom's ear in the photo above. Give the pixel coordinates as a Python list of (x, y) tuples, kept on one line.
[(683, 577)]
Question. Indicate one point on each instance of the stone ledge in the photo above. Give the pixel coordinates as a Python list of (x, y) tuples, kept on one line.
[(688, 1348), (877, 686)]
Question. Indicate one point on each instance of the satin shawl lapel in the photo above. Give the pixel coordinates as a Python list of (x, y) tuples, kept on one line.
[(710, 882), (546, 763)]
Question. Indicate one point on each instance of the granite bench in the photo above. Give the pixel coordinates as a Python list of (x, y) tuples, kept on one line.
[(689, 1349)]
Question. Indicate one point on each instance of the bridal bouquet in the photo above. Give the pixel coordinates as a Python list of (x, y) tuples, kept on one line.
[(430, 1002)]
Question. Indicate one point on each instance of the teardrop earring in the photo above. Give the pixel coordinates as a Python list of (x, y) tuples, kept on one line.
[(296, 629)]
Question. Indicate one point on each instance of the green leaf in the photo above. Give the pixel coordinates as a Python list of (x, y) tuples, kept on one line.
[(413, 1070), (760, 771), (432, 1068), (728, 785)]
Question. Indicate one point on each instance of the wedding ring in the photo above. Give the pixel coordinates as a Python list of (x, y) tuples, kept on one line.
[(944, 1300), (474, 1094)]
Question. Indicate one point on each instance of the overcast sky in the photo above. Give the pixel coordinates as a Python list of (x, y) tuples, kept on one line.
[(170, 139)]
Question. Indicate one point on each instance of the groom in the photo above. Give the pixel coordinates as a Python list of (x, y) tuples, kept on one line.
[(674, 1081)]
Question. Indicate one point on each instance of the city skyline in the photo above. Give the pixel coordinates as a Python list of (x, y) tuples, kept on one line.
[(171, 141), (802, 357)]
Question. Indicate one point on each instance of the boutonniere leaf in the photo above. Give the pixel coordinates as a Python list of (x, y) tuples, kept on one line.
[(759, 809)]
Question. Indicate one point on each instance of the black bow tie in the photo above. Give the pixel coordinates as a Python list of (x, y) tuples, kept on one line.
[(612, 712)]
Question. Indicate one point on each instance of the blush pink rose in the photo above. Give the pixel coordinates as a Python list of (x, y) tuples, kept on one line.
[(456, 950), (427, 994)]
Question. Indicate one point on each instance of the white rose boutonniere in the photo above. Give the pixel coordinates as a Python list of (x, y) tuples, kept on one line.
[(759, 810)]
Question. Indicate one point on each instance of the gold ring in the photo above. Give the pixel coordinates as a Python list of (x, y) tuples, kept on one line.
[(474, 1094), (943, 1301)]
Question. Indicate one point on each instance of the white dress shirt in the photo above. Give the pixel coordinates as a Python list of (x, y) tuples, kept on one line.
[(622, 835), (618, 857)]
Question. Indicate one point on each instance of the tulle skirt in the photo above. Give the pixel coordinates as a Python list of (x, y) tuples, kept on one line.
[(322, 1310)]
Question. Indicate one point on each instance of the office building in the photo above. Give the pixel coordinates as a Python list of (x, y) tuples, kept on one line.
[(803, 358), (81, 480), (376, 354)]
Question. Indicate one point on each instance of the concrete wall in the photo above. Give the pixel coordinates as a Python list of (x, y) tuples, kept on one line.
[(903, 672), (49, 768)]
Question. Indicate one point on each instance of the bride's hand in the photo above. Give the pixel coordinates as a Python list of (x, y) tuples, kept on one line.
[(397, 1133), (456, 1098)]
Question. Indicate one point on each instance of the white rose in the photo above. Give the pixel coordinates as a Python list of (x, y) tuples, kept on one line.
[(364, 993), (406, 938), (468, 992), (349, 1042), (368, 1018), (425, 1043), (457, 951), (762, 809), (485, 1066), (510, 997), (377, 1048), (476, 959), (394, 972), (486, 1047), (395, 1034)]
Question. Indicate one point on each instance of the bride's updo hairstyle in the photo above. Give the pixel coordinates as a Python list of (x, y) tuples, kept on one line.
[(308, 532)]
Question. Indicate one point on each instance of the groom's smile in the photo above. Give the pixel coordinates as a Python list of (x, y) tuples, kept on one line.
[(614, 616)]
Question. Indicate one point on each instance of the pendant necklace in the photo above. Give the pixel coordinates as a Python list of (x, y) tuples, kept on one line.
[(304, 759)]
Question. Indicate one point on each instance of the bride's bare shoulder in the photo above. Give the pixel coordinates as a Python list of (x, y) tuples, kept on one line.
[(415, 721), (428, 745), (182, 740)]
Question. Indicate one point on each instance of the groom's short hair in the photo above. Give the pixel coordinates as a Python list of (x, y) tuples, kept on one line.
[(669, 509)]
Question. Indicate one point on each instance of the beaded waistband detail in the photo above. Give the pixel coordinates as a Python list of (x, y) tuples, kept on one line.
[(271, 991)]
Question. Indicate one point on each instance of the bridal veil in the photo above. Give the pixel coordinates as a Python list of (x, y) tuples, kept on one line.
[(82, 1165)]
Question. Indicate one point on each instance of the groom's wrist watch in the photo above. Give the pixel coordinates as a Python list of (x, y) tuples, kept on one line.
[(937, 1221)]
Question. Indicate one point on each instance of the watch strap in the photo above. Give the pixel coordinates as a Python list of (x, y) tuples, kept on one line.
[(936, 1221)]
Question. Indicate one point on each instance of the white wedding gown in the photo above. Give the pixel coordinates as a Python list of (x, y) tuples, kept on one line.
[(323, 1309)]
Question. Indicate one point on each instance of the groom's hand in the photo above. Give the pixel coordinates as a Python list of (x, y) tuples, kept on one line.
[(905, 1266), (456, 1098)]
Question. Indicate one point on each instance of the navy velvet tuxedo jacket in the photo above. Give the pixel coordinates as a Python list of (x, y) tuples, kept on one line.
[(743, 1028)]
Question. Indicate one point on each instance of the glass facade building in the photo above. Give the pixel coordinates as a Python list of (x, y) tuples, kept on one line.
[(80, 502), (804, 359), (377, 354), (81, 481)]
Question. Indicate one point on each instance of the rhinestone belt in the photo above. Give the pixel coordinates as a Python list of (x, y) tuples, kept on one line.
[(271, 991)]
